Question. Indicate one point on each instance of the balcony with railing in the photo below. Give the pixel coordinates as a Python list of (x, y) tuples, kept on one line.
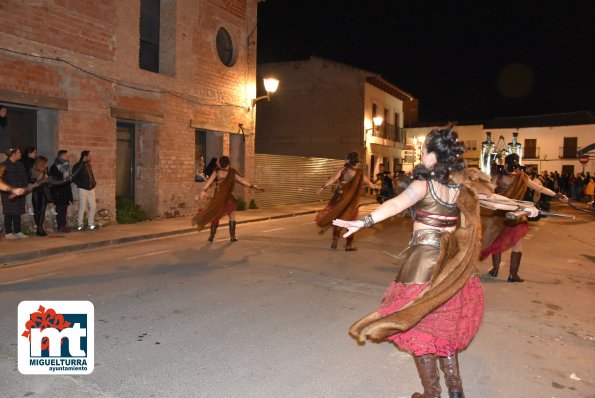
[(388, 132), (530, 153), (568, 152)]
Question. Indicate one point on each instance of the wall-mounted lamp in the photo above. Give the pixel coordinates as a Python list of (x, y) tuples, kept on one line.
[(376, 123), (270, 85)]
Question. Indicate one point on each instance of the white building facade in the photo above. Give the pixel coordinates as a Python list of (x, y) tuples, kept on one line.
[(550, 142)]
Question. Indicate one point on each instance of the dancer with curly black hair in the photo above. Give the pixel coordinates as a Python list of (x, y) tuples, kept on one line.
[(345, 201), (434, 307)]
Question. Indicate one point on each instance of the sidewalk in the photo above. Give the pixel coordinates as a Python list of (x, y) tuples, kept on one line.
[(15, 251)]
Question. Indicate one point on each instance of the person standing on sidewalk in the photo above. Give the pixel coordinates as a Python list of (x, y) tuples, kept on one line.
[(85, 182), (28, 160), (41, 194), (223, 202), (344, 203), (15, 176), (4, 187), (500, 234), (61, 193)]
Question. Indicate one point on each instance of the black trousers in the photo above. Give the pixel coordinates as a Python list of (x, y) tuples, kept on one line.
[(40, 204), (61, 217), (12, 223)]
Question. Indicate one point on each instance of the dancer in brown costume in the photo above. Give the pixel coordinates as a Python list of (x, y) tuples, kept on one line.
[(434, 307), (223, 202), (500, 234), (344, 203)]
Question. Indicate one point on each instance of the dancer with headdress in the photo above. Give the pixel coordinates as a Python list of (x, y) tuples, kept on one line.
[(501, 234), (345, 201), (223, 202), (434, 307)]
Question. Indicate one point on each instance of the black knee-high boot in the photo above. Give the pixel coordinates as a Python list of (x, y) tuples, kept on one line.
[(214, 226), (495, 264), (232, 231), (515, 264), (336, 235), (428, 374), (452, 375)]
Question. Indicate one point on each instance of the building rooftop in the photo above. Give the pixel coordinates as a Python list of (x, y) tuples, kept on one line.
[(551, 120)]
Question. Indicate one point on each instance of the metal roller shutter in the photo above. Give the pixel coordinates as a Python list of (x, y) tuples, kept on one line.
[(292, 179)]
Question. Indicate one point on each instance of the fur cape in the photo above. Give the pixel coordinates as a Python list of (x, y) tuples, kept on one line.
[(347, 204), (493, 221), (456, 263), (222, 195)]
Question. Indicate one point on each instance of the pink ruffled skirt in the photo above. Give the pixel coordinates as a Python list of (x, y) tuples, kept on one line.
[(506, 240), (445, 331)]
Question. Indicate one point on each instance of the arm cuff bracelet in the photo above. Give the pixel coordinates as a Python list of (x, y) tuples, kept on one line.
[(368, 221)]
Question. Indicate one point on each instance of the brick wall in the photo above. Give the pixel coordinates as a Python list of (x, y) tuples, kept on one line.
[(196, 90)]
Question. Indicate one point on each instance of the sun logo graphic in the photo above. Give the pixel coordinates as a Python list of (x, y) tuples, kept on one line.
[(56, 337)]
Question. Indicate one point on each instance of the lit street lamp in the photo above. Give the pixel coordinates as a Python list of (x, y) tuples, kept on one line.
[(270, 85)]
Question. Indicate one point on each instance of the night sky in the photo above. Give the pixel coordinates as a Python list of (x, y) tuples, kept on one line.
[(465, 61)]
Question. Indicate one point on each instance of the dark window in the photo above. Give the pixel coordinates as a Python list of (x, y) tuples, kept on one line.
[(568, 169), (570, 147), (225, 48), (530, 149), (149, 35)]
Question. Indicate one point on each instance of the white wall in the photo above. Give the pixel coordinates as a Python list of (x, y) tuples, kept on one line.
[(549, 142), (376, 145)]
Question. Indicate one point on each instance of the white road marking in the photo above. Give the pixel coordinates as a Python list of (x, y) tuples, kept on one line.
[(148, 254), (271, 230), (28, 279)]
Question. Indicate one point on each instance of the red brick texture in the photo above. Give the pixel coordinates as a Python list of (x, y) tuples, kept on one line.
[(102, 38)]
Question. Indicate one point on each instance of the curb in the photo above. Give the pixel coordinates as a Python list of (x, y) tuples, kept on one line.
[(16, 259)]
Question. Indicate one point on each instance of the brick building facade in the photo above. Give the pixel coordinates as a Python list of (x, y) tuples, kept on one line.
[(81, 74)]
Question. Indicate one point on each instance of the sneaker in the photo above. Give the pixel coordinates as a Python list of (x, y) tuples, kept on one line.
[(21, 235), (92, 227), (10, 236), (80, 228)]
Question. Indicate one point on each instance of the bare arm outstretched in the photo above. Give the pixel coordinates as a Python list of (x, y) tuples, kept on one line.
[(410, 196), (244, 182), (499, 202), (544, 190), (203, 193), (7, 188), (330, 181)]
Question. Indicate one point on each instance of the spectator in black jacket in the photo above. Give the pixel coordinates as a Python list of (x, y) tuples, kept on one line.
[(16, 177), (62, 194), (85, 181), (28, 159)]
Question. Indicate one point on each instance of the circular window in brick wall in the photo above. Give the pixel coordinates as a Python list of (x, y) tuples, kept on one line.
[(225, 48)]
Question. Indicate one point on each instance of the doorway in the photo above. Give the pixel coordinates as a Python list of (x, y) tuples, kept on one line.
[(568, 169), (125, 159)]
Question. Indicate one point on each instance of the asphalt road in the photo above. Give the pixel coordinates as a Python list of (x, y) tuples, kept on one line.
[(268, 316)]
